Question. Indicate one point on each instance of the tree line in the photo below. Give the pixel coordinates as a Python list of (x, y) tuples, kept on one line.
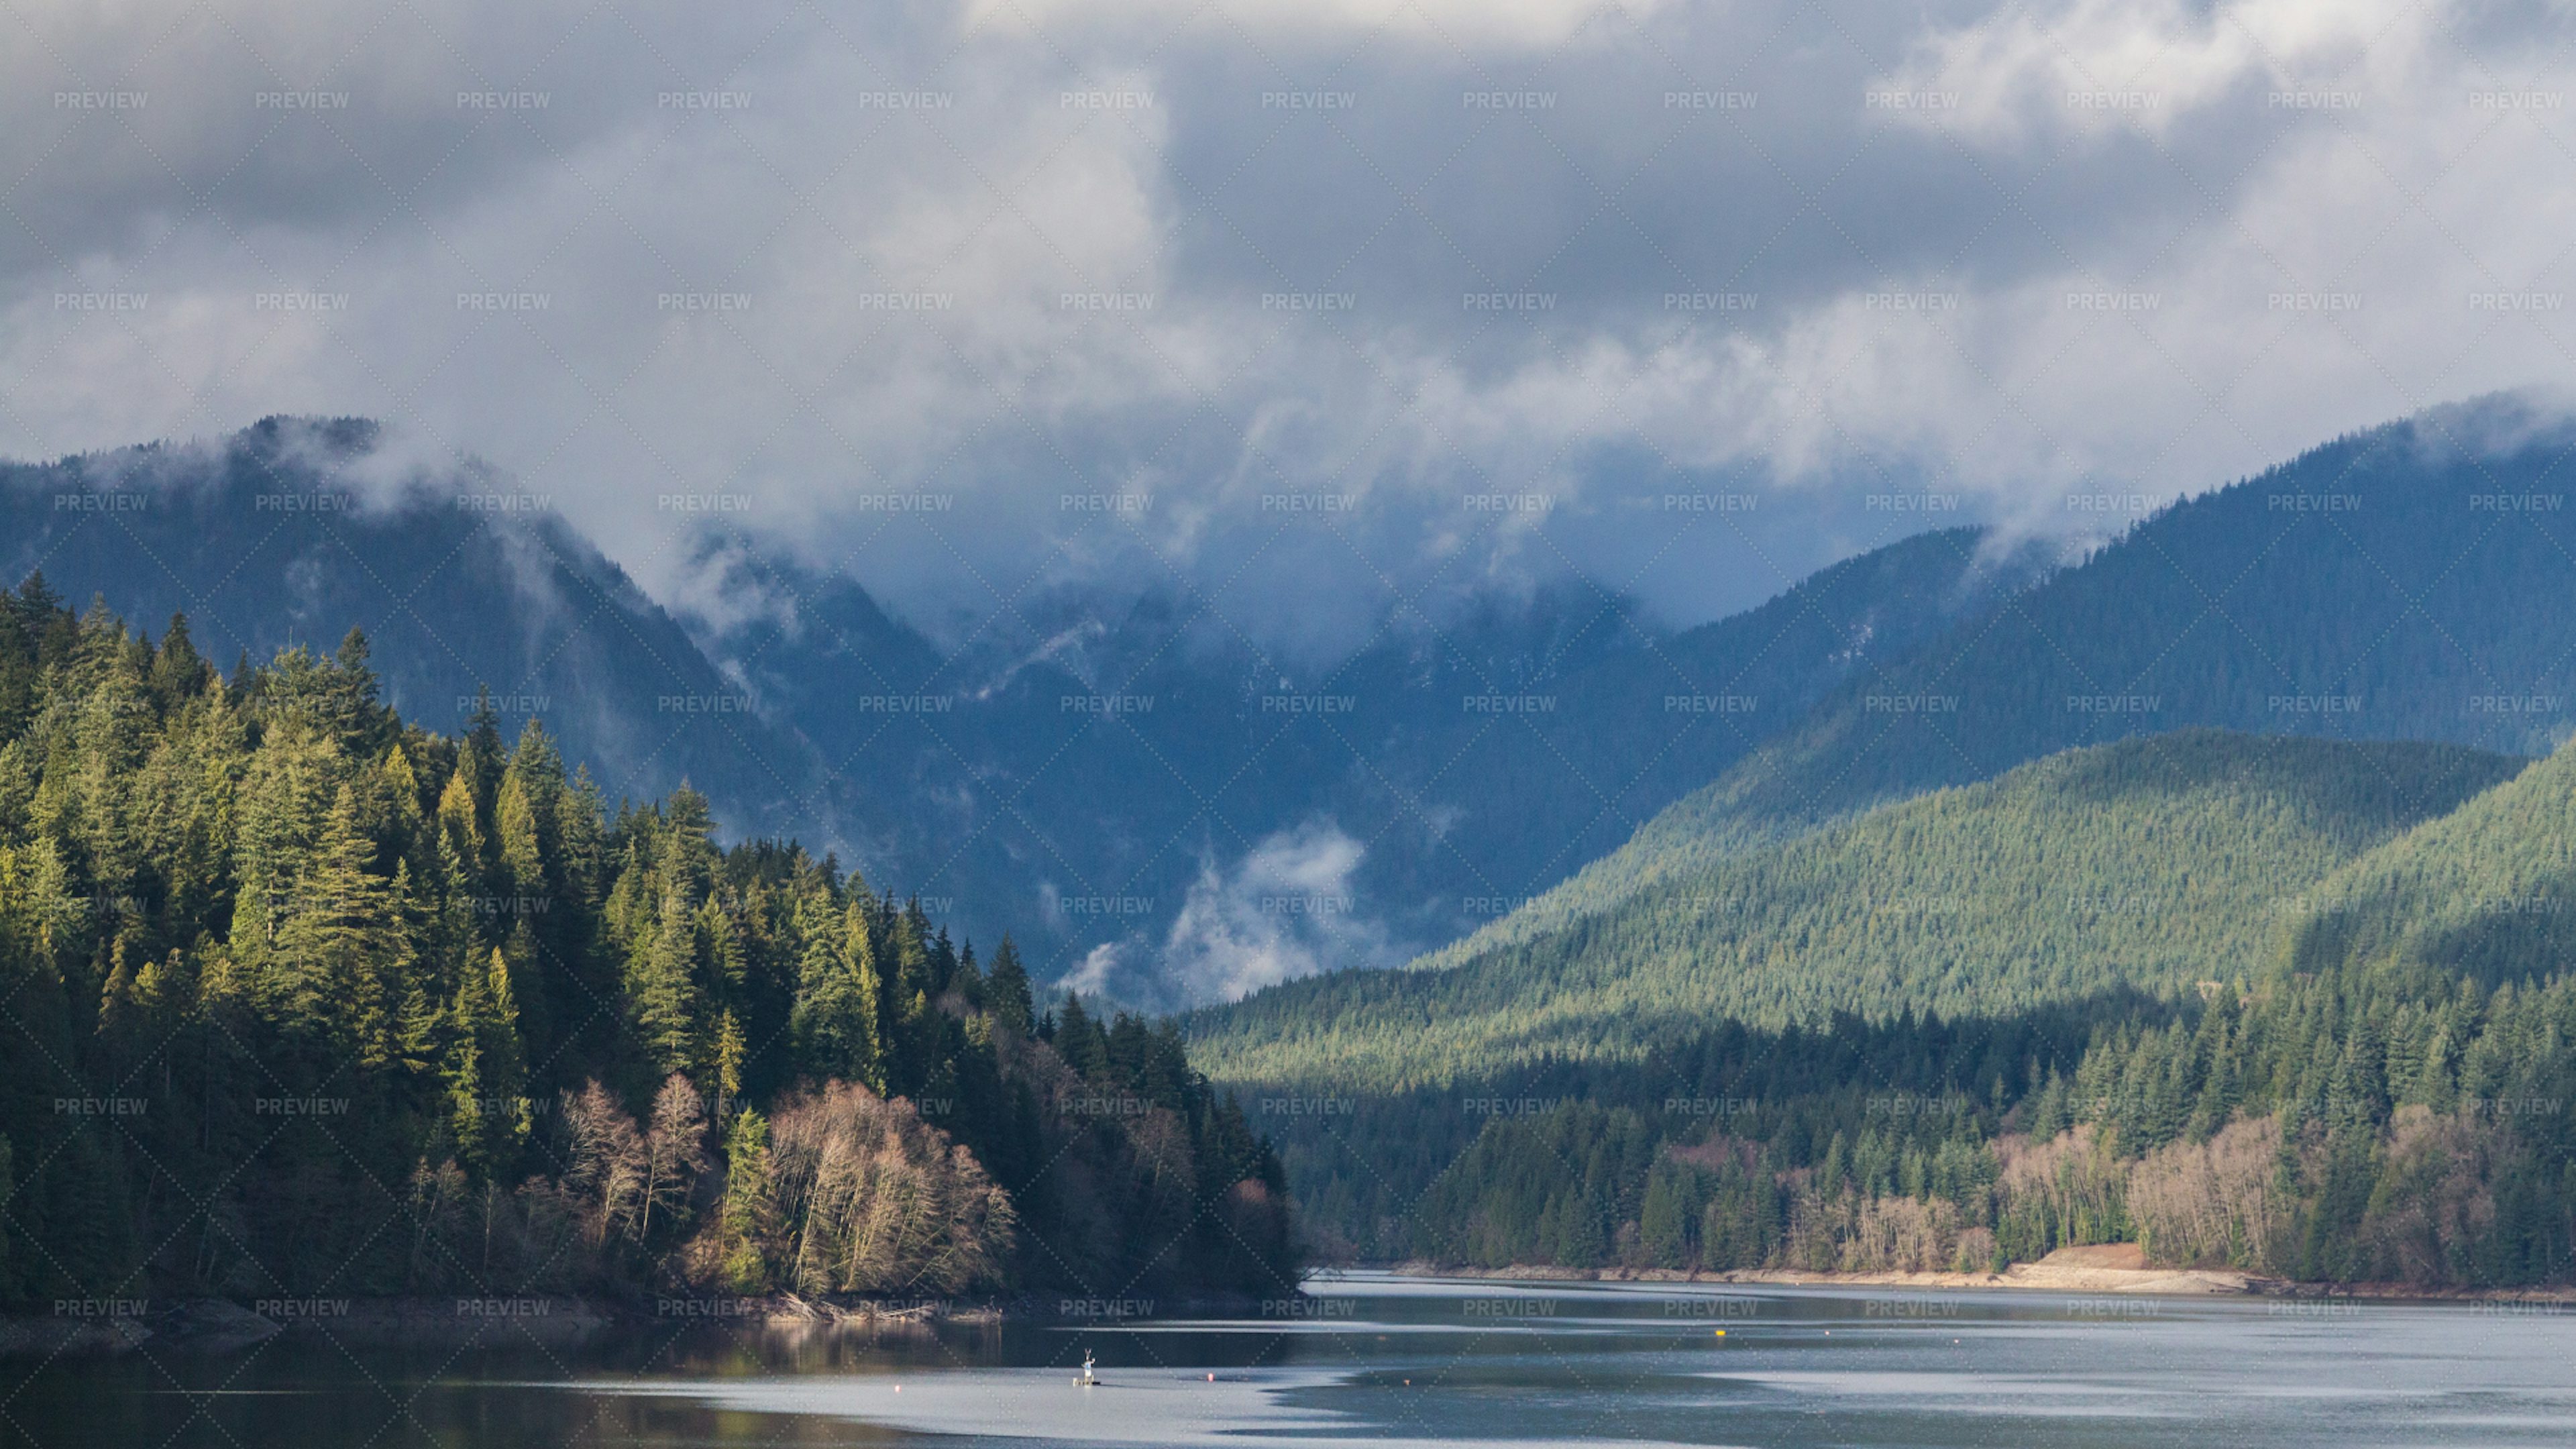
[(2339, 1127)]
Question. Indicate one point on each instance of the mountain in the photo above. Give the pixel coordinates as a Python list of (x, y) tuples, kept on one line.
[(295, 531), (2390, 585), (2288, 1006), (2144, 865), (1154, 806), (1175, 815)]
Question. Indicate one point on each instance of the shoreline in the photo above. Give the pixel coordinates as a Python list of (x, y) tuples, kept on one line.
[(222, 1325), (217, 1325), (2105, 1269)]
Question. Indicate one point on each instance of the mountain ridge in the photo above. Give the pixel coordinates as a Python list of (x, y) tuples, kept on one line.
[(2410, 616)]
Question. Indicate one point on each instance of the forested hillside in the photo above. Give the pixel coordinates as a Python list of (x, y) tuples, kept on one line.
[(2380, 1092), (2485, 892), (2397, 584), (2147, 865), (302, 997)]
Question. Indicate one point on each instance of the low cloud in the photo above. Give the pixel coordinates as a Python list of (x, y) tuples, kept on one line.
[(1095, 973), (1287, 909)]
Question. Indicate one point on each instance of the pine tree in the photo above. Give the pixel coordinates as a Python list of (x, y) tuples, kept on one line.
[(835, 1016), (459, 832), (179, 674), (1008, 988), (340, 962), (906, 1023), (749, 1210), (730, 1050), (662, 982), (1079, 1039), (522, 858)]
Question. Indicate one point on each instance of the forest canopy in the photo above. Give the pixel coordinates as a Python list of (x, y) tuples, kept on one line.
[(305, 998)]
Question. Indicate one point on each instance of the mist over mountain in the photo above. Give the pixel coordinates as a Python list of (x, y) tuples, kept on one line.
[(1157, 806), (296, 531), (1163, 810), (1188, 816), (1953, 814)]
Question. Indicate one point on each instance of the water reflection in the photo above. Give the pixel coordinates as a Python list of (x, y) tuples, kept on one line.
[(1368, 1360)]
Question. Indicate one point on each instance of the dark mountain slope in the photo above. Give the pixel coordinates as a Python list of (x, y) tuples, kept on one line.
[(2487, 892), (296, 531)]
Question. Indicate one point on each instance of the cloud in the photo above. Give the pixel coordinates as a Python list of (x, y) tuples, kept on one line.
[(1289, 305), (1455, 24), (1286, 909), (2093, 67), (1095, 973)]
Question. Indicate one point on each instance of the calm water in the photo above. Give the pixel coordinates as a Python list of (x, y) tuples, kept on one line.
[(1377, 1361)]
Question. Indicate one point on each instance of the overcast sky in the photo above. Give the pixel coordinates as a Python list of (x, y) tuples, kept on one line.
[(1376, 299)]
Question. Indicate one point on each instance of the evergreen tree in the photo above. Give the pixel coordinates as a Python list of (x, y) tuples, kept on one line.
[(662, 981), (1008, 987), (340, 966)]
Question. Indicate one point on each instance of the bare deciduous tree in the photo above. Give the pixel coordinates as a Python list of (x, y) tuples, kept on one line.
[(871, 1199)]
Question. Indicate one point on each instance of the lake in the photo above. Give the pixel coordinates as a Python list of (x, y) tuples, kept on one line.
[(1370, 1359)]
